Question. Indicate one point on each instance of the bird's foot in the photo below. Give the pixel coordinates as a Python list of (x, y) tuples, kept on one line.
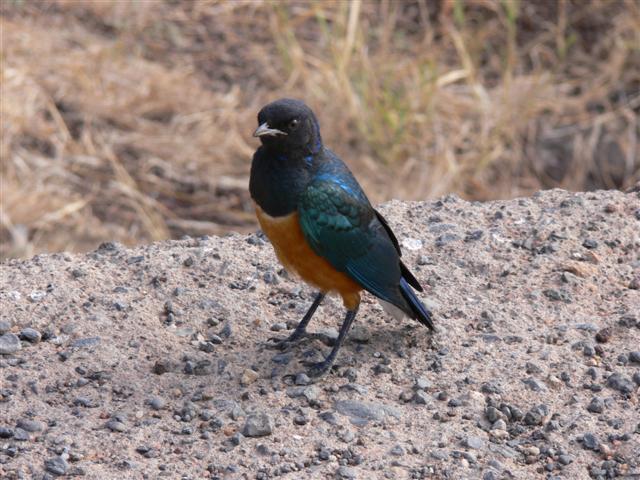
[(279, 343), (318, 369)]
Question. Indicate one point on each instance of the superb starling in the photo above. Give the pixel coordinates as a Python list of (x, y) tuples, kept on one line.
[(321, 224)]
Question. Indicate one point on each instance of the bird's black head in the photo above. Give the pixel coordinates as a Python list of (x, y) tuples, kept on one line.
[(288, 125)]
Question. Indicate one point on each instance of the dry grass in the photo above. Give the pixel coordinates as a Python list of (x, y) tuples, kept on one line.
[(132, 120)]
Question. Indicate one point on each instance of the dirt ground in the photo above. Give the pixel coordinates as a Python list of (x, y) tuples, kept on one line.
[(152, 362)]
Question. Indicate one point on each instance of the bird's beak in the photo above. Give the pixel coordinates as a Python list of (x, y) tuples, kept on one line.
[(264, 130)]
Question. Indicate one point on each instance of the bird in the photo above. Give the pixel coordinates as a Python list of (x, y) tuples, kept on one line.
[(322, 226)]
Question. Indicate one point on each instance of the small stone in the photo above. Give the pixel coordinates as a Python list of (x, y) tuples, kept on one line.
[(565, 459), (360, 334), (258, 425), (30, 425), (248, 377), (6, 432), (636, 378), (603, 335), (590, 244), (420, 397), (620, 383), (596, 405), (302, 379), (346, 472), (536, 415), (474, 442), (116, 426), (5, 326), (9, 344), (56, 466), (499, 425), (36, 296), (422, 384), (157, 403), (278, 327), (634, 356), (30, 335), (347, 436), (398, 451), (590, 441)]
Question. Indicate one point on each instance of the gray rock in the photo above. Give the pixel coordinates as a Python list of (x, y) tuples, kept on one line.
[(21, 435), (474, 442), (278, 327), (634, 356), (620, 383), (565, 459), (30, 335), (421, 397), (302, 379), (534, 384), (6, 432), (590, 441), (398, 451), (56, 466), (346, 472), (422, 384), (157, 403), (536, 415), (9, 344), (361, 412), (596, 405), (116, 426), (636, 378), (360, 334), (30, 425), (258, 425), (5, 326)]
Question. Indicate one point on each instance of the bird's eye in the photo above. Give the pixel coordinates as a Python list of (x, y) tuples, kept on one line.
[(293, 124)]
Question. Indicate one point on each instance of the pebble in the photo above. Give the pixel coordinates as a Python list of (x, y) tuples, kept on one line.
[(422, 384), (56, 466), (9, 344), (474, 442), (157, 403), (116, 426), (258, 425), (248, 377), (30, 335), (536, 415), (398, 451), (361, 412), (278, 327), (604, 335), (634, 356), (360, 334), (6, 432), (590, 441), (30, 425), (596, 405), (620, 383), (421, 397), (346, 472), (302, 379), (5, 326), (565, 459)]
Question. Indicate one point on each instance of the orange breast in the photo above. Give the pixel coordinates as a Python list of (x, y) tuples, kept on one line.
[(297, 256)]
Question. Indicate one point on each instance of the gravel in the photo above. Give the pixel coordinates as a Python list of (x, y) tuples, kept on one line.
[(533, 371)]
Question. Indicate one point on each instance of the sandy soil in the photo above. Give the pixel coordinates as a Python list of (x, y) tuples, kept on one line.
[(151, 362)]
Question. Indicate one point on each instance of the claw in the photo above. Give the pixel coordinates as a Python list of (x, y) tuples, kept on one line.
[(277, 343), (318, 369)]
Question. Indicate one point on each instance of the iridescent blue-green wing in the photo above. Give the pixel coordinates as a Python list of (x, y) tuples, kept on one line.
[(343, 228)]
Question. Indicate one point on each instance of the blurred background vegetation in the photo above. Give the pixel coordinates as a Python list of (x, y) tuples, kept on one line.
[(132, 120)]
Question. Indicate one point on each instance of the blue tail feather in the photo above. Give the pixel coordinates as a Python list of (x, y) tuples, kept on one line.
[(420, 312)]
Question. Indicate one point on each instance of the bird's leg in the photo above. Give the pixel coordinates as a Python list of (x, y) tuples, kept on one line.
[(319, 369), (301, 329)]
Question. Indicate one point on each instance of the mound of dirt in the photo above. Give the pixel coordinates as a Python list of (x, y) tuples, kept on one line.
[(152, 362)]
